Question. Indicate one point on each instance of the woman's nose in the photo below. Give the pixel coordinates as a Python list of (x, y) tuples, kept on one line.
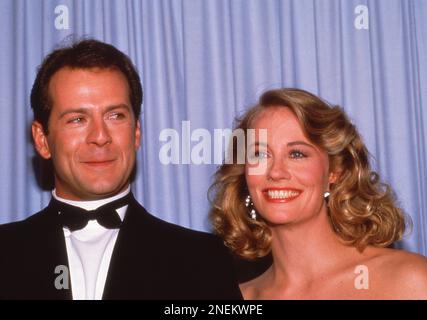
[(279, 170)]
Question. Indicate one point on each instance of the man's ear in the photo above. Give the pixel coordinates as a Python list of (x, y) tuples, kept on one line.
[(40, 140), (137, 135)]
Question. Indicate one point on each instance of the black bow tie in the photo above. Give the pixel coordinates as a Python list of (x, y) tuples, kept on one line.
[(76, 218)]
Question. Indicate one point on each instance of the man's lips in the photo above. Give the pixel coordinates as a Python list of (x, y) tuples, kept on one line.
[(281, 195), (98, 163)]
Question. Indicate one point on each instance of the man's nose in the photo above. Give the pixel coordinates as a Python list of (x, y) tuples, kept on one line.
[(99, 133), (279, 170)]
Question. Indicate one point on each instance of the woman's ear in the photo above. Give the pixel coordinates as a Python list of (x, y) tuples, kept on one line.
[(333, 176), (40, 140)]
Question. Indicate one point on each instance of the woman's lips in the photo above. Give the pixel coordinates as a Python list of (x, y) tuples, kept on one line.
[(281, 195)]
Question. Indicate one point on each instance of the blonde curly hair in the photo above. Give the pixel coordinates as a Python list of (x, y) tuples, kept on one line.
[(362, 210)]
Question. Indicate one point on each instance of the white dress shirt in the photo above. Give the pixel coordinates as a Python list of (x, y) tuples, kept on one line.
[(89, 250)]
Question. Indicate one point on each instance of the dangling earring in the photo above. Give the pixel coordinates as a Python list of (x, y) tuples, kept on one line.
[(326, 196), (249, 204)]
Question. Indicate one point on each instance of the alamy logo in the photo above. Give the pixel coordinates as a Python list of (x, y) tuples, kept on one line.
[(62, 280), (200, 146), (362, 280), (62, 17), (361, 22)]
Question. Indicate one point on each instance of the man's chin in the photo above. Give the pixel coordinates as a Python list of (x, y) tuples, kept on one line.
[(102, 191)]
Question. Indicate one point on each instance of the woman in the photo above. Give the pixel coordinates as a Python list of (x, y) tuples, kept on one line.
[(306, 193)]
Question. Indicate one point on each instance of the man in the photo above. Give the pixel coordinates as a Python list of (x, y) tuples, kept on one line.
[(86, 101)]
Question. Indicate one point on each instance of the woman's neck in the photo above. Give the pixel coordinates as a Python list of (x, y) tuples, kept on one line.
[(305, 251)]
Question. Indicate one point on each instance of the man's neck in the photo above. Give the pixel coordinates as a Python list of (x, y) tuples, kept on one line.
[(91, 204)]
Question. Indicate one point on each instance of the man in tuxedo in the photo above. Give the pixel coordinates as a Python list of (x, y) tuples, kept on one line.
[(94, 240)]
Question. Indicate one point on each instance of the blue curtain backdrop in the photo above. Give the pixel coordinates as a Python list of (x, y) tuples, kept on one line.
[(205, 61)]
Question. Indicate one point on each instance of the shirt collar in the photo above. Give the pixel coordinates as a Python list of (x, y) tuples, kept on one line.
[(92, 204)]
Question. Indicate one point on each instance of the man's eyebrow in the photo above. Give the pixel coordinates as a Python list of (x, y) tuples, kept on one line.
[(76, 110), (299, 142), (118, 106), (86, 110)]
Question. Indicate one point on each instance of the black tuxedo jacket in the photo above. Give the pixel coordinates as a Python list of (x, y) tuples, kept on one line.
[(152, 259)]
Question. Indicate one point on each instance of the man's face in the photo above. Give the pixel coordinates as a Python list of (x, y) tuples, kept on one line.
[(92, 133)]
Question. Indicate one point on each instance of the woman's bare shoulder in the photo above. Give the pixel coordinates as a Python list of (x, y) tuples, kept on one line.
[(401, 273), (402, 261), (411, 270)]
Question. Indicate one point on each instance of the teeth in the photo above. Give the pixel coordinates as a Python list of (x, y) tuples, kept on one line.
[(282, 194)]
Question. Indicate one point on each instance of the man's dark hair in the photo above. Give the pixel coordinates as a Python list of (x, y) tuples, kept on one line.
[(85, 54)]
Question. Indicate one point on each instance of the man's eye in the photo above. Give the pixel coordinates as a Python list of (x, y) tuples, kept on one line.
[(117, 116), (76, 120), (297, 154)]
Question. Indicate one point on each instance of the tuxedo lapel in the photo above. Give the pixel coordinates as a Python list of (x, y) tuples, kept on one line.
[(49, 256), (31, 252), (132, 259)]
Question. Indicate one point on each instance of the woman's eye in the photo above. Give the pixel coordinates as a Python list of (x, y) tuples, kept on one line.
[(297, 154), (261, 155), (257, 155)]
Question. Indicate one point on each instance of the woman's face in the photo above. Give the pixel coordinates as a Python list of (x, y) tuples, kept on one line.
[(292, 174)]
